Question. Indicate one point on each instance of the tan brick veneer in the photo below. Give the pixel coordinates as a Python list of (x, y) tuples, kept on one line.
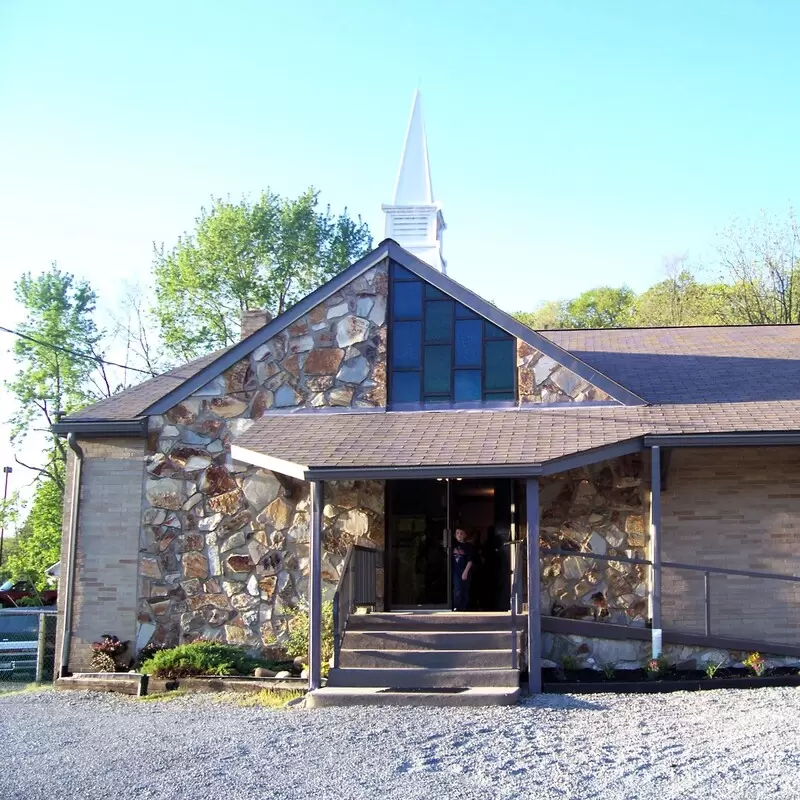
[(737, 508)]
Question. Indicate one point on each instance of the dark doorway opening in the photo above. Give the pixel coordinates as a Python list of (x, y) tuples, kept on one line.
[(422, 517)]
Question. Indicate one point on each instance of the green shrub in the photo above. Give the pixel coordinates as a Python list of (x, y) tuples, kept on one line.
[(202, 658), (297, 644)]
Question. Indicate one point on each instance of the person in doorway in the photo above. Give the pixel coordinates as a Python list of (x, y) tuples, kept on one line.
[(463, 561)]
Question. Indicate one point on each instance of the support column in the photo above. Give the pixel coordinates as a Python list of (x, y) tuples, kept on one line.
[(315, 589), (534, 590), (655, 548)]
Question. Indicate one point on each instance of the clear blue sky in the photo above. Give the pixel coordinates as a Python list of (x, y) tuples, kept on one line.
[(572, 143)]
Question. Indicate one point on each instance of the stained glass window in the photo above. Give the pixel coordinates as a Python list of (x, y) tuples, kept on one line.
[(442, 352)]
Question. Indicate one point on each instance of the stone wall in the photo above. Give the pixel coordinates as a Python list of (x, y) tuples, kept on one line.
[(335, 355), (542, 380), (107, 545), (736, 508), (225, 545), (599, 509)]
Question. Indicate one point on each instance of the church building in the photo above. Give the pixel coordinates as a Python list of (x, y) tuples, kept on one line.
[(619, 494)]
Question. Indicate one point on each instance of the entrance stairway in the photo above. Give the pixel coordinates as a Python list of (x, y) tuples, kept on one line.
[(424, 658)]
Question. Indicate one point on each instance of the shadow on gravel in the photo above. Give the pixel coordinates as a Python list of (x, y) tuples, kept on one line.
[(560, 702)]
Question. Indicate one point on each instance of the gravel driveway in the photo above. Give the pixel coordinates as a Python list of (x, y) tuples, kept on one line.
[(728, 744)]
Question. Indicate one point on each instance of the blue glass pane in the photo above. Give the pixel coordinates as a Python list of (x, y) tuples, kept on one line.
[(494, 396), (468, 342), (432, 293), (462, 312), (407, 300), (499, 366), (405, 387), (436, 376), (493, 332), (402, 274), (439, 321), (406, 344), (467, 385)]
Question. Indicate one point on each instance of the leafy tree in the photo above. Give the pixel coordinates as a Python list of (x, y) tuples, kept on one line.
[(603, 307), (37, 544), (266, 254), (760, 262), (52, 378), (681, 300), (547, 316)]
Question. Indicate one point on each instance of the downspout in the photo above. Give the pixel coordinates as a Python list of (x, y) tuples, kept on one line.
[(72, 537)]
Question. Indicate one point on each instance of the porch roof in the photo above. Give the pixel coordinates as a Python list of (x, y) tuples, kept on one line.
[(319, 445)]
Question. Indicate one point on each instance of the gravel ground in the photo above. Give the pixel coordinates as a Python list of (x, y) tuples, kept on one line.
[(730, 744)]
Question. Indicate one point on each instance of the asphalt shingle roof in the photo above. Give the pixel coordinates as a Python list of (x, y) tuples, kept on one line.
[(321, 440), (694, 365)]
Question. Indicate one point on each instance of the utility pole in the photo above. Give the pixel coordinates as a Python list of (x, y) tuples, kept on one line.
[(7, 471)]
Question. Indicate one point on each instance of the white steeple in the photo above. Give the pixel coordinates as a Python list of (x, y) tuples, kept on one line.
[(414, 220)]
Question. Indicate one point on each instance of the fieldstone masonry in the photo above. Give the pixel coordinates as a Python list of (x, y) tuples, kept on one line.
[(224, 546), (597, 509), (543, 380)]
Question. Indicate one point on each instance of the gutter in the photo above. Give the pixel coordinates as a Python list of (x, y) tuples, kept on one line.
[(72, 538), (100, 428), (763, 438)]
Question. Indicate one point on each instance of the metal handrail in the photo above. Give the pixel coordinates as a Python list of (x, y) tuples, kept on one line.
[(356, 585), (515, 602), (706, 570)]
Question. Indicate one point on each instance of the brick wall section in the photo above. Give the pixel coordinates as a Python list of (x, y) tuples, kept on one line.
[(737, 508), (107, 555)]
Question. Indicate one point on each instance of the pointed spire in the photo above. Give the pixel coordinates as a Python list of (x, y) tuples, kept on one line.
[(413, 186), (414, 220)]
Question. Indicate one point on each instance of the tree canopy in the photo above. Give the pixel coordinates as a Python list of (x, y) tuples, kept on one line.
[(267, 255)]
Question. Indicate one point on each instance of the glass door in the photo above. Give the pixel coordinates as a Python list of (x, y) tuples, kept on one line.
[(420, 541)]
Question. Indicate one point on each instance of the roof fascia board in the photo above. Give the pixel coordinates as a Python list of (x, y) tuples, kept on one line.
[(512, 326), (263, 335), (268, 462), (757, 438), (412, 473), (587, 457), (101, 428)]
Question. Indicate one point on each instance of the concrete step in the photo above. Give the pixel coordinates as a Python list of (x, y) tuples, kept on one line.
[(429, 659), (421, 678), (427, 640), (433, 621), (343, 696)]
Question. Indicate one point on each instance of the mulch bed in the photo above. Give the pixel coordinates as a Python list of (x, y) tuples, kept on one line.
[(587, 681)]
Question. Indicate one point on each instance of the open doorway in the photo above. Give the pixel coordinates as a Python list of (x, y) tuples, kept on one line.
[(422, 518)]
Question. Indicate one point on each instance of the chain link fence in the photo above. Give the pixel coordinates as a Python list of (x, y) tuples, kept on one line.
[(27, 646)]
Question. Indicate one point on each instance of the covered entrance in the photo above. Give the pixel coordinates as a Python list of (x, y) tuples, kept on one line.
[(421, 522)]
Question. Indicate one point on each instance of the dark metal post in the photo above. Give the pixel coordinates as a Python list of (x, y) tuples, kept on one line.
[(7, 471), (655, 545), (707, 599), (315, 590), (534, 590)]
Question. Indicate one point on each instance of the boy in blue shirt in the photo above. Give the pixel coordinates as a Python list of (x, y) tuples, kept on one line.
[(463, 558)]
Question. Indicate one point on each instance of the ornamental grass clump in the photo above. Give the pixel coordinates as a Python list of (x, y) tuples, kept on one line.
[(202, 658), (297, 643)]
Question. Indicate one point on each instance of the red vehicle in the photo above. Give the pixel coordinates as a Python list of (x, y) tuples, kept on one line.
[(14, 594)]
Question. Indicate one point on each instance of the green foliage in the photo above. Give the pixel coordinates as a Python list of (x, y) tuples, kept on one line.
[(681, 300), (58, 311), (569, 663), (37, 544), (297, 645), (656, 668), (604, 307), (547, 316), (609, 670), (756, 663), (202, 658), (712, 669), (266, 255)]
